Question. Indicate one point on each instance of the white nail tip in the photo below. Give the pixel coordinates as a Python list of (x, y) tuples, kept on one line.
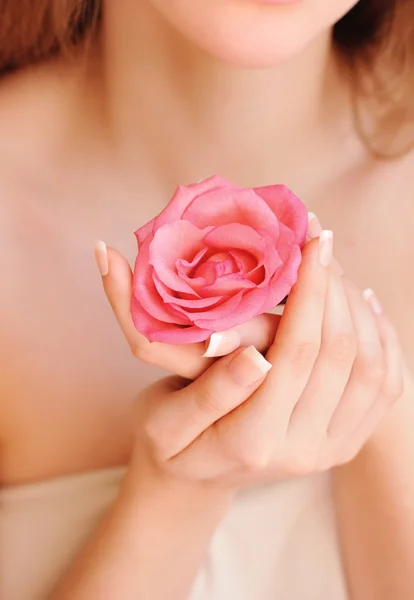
[(216, 339), (325, 235), (368, 293), (258, 359)]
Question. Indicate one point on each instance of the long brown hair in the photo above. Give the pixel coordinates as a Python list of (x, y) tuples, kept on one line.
[(376, 39)]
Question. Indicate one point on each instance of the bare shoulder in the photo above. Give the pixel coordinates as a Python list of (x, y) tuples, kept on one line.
[(36, 107)]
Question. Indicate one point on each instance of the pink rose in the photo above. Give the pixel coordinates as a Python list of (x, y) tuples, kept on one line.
[(215, 257)]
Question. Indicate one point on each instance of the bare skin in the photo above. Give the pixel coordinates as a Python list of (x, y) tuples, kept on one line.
[(53, 368), (68, 178)]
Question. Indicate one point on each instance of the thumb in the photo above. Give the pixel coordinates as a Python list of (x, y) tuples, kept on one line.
[(183, 415), (117, 282), (259, 332)]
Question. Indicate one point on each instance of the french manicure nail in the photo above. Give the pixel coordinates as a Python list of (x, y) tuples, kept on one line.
[(314, 227), (373, 301), (326, 247), (101, 257), (249, 366), (222, 343)]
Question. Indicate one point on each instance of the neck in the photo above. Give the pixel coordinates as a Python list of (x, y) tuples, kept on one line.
[(194, 115)]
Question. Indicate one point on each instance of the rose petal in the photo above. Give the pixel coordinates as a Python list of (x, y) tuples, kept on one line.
[(146, 293), (206, 271), (257, 243), (181, 335), (181, 239), (186, 266), (248, 266), (156, 307), (271, 261), (258, 276), (232, 236), (231, 205), (185, 269), (224, 309), (169, 298), (236, 236), (285, 277), (226, 267), (143, 232), (156, 331), (288, 209), (226, 285), (248, 307), (212, 270), (262, 299), (184, 196), (245, 261)]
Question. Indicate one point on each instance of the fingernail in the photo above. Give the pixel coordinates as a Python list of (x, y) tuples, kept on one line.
[(314, 227), (222, 343), (325, 247), (101, 257), (373, 301), (249, 366)]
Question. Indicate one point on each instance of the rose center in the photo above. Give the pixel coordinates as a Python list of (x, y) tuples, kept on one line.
[(217, 265)]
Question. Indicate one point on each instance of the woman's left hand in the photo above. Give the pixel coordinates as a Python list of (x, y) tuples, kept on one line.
[(329, 391)]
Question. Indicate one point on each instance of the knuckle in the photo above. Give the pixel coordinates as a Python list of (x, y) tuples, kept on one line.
[(301, 464), (393, 389), (370, 369), (157, 438), (139, 351), (302, 355), (151, 430), (210, 402), (341, 348), (350, 455), (252, 458), (153, 434), (351, 449)]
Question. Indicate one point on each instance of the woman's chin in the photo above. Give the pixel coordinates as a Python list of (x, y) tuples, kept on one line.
[(258, 58), (251, 51), (251, 34)]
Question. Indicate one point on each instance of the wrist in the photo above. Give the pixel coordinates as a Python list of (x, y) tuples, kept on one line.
[(147, 484)]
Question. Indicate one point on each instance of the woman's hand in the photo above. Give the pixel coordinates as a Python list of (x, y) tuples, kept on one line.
[(188, 361), (336, 370)]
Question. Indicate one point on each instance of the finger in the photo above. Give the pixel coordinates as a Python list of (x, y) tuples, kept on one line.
[(367, 372), (116, 274), (292, 354), (117, 282), (182, 416), (312, 414), (258, 332), (393, 383), (314, 227)]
